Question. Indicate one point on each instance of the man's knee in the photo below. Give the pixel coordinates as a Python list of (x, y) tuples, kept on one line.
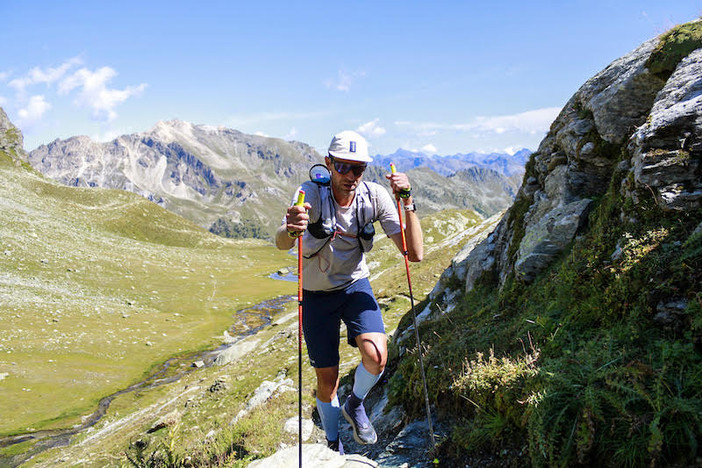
[(374, 352)]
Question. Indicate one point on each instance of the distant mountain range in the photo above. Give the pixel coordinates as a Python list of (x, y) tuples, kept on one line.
[(504, 163), (238, 185)]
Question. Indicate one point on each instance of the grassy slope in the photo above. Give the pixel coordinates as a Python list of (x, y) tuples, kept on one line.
[(96, 286), (260, 433)]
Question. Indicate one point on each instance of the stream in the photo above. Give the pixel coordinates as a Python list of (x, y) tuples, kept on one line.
[(247, 322)]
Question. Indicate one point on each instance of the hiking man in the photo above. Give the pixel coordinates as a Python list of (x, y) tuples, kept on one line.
[(337, 224)]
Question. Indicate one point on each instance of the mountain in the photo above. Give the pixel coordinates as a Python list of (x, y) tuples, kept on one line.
[(504, 163), (205, 174), (238, 185)]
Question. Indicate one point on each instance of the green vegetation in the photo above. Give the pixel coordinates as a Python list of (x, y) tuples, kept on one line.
[(244, 229), (597, 362), (673, 46), (97, 287)]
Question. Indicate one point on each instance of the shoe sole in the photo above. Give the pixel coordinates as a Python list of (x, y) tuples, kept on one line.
[(349, 419)]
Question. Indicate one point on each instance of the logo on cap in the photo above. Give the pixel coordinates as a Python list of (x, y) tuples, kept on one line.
[(352, 146)]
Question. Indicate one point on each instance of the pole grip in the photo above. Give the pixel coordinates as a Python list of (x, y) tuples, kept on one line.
[(300, 202), (300, 198)]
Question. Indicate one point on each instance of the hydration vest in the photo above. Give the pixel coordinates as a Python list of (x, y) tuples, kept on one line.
[(323, 229)]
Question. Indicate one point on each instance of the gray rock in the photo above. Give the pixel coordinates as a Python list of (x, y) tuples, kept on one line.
[(313, 455), (620, 97), (667, 150), (292, 426), (409, 448), (546, 238)]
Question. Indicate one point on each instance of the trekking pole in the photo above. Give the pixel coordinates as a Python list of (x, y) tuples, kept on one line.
[(414, 317), (298, 234)]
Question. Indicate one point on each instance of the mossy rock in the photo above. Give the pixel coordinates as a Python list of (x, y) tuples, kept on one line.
[(674, 46)]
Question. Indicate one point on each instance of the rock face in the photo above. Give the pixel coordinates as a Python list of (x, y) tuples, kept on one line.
[(11, 141), (626, 118), (666, 149)]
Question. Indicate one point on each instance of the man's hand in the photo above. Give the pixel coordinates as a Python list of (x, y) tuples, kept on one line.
[(399, 183), (297, 218), (296, 221)]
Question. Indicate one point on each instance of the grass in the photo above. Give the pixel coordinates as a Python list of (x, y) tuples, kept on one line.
[(97, 286), (102, 286)]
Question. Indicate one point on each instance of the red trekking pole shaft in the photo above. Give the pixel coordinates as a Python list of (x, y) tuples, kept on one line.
[(405, 254), (300, 202)]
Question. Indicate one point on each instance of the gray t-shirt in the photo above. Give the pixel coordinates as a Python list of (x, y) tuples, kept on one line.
[(340, 262)]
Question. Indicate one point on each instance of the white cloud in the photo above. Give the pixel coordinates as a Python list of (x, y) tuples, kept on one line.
[(371, 129), (47, 76), (33, 112), (261, 134), (291, 134), (531, 122), (3, 101), (343, 80), (431, 149), (94, 92)]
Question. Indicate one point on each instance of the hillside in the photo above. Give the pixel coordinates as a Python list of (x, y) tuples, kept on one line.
[(111, 302), (97, 286), (572, 334)]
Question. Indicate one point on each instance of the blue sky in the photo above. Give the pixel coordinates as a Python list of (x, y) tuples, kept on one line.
[(438, 76)]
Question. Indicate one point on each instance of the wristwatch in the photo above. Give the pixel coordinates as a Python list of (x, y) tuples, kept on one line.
[(411, 207)]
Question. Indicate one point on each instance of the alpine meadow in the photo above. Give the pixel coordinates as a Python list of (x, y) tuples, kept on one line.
[(559, 300)]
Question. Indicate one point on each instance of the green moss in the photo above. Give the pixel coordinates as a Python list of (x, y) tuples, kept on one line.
[(673, 46)]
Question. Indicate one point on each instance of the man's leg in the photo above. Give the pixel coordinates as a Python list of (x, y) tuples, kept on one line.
[(374, 354), (328, 405)]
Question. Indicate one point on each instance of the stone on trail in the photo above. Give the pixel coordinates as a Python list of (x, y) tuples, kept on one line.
[(292, 426), (313, 455)]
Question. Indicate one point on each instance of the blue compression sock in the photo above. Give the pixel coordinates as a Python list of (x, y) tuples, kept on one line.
[(329, 414), (363, 382)]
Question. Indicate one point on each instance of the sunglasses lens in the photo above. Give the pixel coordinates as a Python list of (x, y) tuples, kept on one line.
[(343, 168)]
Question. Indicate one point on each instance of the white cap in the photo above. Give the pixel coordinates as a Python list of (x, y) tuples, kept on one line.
[(351, 146)]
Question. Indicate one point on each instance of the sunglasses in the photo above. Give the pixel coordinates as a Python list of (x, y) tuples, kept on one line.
[(344, 168)]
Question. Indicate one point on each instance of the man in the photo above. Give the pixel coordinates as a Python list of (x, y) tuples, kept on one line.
[(337, 224)]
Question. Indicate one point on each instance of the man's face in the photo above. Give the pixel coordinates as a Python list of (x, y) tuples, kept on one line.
[(345, 175)]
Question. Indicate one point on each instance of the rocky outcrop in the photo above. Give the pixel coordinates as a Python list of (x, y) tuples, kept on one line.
[(626, 118), (665, 151), (11, 141)]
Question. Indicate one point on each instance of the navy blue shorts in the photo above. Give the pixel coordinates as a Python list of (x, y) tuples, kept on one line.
[(323, 311)]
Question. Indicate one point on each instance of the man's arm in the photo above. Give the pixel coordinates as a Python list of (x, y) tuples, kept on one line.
[(413, 233)]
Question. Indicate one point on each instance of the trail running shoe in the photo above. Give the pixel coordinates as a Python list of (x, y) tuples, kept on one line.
[(363, 431), (336, 445)]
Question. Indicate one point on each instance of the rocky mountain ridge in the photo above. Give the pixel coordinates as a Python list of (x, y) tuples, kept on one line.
[(229, 182), (505, 163)]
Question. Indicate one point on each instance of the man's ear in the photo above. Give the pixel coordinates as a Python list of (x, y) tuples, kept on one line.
[(327, 161)]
